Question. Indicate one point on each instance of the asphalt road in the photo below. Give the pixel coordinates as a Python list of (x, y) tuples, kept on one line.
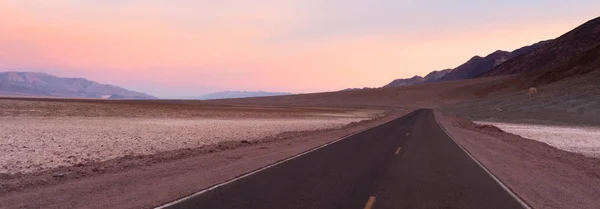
[(407, 163)]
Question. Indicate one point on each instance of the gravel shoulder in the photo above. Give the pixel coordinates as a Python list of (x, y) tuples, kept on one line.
[(145, 181), (544, 176)]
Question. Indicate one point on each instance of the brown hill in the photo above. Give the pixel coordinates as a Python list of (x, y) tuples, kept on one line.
[(412, 96)]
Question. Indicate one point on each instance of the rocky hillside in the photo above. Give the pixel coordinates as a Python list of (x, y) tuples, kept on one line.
[(41, 84)]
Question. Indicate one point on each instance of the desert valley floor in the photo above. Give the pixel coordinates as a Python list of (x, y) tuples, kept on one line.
[(75, 146)]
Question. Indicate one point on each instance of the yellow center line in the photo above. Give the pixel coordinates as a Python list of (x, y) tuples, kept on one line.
[(370, 203), (398, 150)]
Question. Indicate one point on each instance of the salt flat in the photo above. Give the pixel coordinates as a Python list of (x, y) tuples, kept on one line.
[(584, 140), (29, 144), (36, 135)]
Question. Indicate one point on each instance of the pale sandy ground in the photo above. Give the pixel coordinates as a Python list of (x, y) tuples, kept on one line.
[(584, 140), (30, 144)]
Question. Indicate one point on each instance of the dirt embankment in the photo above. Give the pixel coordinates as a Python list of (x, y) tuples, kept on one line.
[(544, 176)]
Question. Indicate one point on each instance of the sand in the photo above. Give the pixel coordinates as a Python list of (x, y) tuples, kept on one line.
[(583, 140)]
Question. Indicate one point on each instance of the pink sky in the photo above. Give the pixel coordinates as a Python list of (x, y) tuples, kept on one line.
[(188, 48)]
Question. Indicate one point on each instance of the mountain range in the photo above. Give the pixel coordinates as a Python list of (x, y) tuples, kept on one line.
[(473, 68), (240, 94), (552, 54), (548, 61), (574, 56), (41, 84), (431, 77)]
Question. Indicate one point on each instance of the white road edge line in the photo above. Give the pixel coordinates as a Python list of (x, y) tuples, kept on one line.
[(504, 186), (268, 166)]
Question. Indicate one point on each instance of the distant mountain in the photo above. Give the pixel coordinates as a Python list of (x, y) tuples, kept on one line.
[(436, 75), (240, 94), (406, 81), (555, 52), (431, 77), (41, 84), (478, 66), (355, 89), (473, 68)]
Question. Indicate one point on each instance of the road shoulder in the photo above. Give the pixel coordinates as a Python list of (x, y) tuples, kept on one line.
[(545, 177)]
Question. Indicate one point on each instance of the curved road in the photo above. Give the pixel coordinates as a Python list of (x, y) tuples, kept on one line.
[(407, 163)]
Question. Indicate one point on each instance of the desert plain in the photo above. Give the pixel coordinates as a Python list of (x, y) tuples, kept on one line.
[(77, 153)]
